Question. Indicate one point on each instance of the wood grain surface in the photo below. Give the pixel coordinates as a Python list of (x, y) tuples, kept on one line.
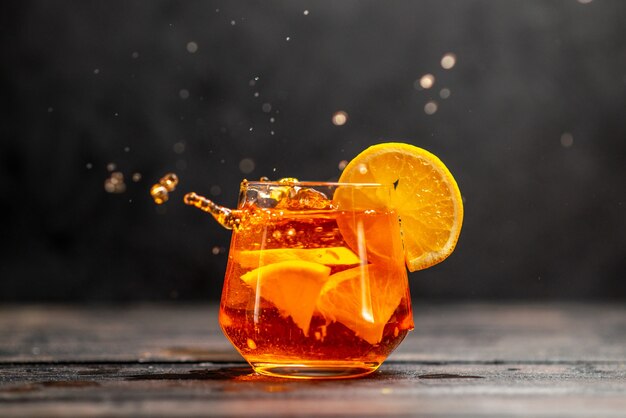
[(492, 360)]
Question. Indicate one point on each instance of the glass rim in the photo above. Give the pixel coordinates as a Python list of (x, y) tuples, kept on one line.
[(308, 183)]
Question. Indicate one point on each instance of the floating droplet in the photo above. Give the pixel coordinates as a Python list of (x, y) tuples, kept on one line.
[(169, 181), (179, 147), (159, 194), (136, 177), (444, 93), (448, 61), (306, 13), (115, 183), (111, 166), (430, 107), (246, 165), (192, 47), (427, 81), (266, 107), (342, 164), (340, 118), (216, 190), (184, 94), (108, 187)]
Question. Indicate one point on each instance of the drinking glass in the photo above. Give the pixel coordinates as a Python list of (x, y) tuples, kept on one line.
[(316, 285)]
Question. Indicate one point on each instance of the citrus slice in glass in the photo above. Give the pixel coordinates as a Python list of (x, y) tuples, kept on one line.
[(330, 256), (426, 198), (364, 298), (292, 286)]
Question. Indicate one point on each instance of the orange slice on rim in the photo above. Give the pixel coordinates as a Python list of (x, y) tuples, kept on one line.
[(426, 198)]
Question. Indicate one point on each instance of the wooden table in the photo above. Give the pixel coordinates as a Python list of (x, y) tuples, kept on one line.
[(462, 360)]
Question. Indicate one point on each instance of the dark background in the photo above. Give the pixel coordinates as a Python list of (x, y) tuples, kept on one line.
[(534, 131)]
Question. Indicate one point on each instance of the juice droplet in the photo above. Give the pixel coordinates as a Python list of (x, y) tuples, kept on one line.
[(160, 191), (226, 217), (169, 181), (115, 183), (159, 194)]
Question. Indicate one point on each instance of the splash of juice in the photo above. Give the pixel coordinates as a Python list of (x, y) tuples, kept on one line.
[(228, 218), (161, 190)]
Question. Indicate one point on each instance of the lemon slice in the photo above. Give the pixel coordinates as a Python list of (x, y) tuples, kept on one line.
[(364, 298), (426, 198), (292, 286), (331, 256)]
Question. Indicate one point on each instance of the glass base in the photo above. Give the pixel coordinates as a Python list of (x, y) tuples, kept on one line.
[(316, 370)]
